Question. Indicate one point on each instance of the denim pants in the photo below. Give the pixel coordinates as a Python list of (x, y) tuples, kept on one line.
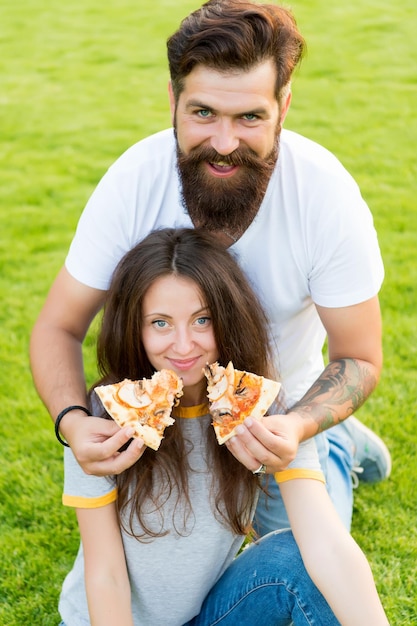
[(266, 585), (336, 459)]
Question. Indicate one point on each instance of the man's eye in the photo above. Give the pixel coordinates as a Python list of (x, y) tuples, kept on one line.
[(204, 113), (250, 117)]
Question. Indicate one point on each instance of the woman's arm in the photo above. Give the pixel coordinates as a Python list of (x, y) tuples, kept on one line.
[(106, 579), (333, 559)]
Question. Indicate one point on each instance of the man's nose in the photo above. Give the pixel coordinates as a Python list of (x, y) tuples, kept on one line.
[(224, 139)]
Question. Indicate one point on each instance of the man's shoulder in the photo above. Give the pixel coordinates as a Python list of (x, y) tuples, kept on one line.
[(307, 149), (159, 147), (311, 160)]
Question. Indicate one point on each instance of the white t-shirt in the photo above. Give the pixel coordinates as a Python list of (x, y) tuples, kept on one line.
[(313, 240)]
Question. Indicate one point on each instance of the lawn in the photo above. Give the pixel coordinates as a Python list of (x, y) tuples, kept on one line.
[(82, 81)]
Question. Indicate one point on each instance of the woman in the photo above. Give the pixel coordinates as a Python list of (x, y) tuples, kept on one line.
[(159, 541)]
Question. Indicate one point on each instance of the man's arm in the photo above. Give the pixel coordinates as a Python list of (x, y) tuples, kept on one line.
[(55, 350), (58, 373), (355, 353), (355, 363)]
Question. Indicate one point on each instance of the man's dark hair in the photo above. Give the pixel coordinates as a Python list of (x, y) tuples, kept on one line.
[(235, 35)]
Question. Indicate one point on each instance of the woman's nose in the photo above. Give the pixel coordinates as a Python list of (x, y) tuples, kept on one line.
[(183, 342)]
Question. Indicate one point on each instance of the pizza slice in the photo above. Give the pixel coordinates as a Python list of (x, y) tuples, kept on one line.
[(234, 395), (145, 404)]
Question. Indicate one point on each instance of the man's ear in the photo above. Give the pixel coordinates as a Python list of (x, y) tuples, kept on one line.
[(172, 103), (285, 106)]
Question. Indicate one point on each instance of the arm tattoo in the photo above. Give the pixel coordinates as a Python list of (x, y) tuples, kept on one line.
[(341, 389)]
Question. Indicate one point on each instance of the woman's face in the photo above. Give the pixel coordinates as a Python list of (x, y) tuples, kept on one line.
[(178, 333)]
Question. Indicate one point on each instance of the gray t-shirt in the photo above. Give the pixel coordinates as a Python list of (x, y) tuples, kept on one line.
[(162, 569), (170, 575)]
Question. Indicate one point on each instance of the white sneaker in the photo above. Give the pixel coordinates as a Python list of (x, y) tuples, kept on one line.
[(372, 460)]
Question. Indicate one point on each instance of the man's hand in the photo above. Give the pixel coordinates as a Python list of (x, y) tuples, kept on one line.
[(354, 337), (96, 442), (273, 442)]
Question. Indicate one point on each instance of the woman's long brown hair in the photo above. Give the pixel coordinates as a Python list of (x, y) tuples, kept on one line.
[(241, 332)]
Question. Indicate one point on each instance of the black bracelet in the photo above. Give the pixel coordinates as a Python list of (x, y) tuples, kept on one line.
[(74, 407)]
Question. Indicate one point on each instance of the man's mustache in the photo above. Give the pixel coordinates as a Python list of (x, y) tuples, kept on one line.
[(239, 157)]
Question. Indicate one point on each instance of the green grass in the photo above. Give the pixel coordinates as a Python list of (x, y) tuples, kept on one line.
[(79, 83)]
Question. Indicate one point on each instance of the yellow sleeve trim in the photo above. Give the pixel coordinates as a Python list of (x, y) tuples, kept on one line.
[(79, 502), (293, 474)]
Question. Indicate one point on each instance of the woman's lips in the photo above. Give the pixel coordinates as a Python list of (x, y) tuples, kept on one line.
[(183, 364)]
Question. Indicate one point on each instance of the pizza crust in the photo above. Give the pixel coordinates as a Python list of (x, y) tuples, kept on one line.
[(145, 404), (236, 394)]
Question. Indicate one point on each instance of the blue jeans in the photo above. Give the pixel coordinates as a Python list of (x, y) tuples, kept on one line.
[(336, 459), (266, 585)]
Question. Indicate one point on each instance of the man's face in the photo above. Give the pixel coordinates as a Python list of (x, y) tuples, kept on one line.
[(227, 128)]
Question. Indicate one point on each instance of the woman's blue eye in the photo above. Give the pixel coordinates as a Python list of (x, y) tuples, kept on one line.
[(203, 320), (159, 323)]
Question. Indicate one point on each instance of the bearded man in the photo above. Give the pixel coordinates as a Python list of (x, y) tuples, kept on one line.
[(295, 220)]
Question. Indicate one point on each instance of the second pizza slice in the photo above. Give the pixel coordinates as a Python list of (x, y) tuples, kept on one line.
[(236, 394)]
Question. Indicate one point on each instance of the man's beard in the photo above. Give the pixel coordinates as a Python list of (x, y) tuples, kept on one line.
[(224, 204)]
